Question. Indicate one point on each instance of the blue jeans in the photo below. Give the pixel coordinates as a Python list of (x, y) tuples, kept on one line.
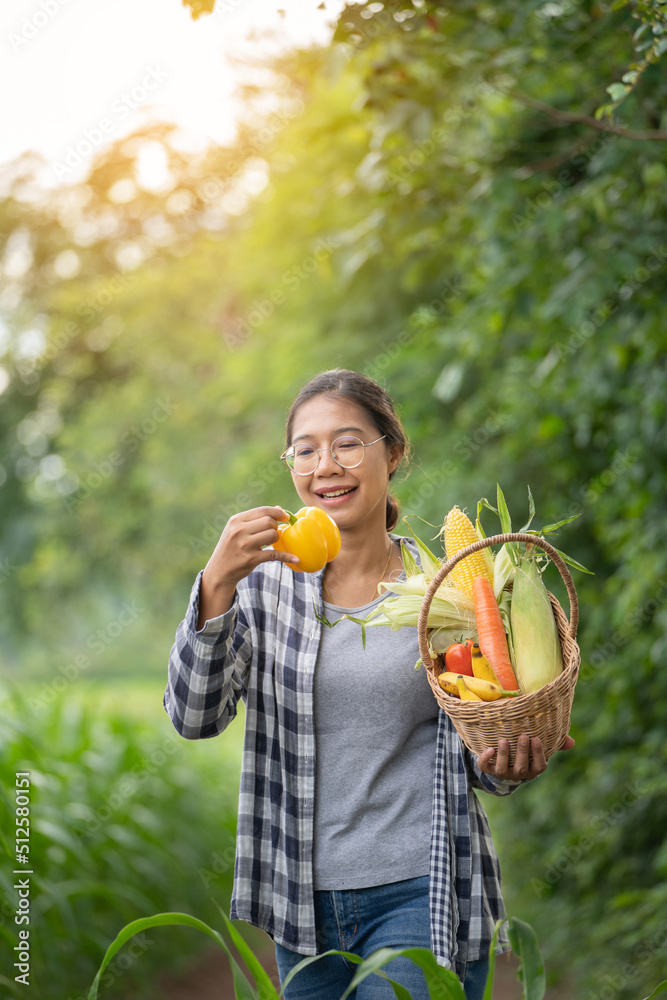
[(361, 921)]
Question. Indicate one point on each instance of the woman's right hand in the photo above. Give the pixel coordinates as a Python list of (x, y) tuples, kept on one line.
[(239, 550)]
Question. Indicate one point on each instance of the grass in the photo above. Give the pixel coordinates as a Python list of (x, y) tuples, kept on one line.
[(125, 817), (442, 983)]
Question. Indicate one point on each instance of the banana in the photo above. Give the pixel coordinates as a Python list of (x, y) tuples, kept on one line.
[(464, 692), (482, 689), (480, 665)]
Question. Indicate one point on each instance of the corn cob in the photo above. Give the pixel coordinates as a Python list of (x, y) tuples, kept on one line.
[(460, 532), (537, 652)]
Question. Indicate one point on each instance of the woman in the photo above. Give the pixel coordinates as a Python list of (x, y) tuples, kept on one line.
[(357, 826)]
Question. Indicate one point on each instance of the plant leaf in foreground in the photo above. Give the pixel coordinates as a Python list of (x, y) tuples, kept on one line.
[(243, 989), (531, 970)]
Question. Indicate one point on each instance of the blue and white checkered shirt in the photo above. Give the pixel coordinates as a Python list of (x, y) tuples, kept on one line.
[(264, 650)]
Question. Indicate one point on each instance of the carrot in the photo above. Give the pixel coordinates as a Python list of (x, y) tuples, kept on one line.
[(491, 633)]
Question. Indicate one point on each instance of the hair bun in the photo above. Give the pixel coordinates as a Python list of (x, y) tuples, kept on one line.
[(393, 512)]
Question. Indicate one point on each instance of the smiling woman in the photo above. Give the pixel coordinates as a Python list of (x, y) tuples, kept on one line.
[(358, 827), (345, 443)]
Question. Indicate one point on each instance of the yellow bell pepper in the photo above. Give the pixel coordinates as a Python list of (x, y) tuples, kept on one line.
[(311, 535)]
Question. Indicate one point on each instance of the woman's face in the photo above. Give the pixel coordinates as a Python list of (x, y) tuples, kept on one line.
[(362, 490)]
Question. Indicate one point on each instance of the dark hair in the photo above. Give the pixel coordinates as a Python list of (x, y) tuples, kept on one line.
[(368, 394)]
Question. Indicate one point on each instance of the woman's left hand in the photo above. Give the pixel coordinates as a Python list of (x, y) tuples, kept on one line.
[(529, 762)]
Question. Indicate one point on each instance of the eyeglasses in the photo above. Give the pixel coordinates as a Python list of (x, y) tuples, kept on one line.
[(348, 452)]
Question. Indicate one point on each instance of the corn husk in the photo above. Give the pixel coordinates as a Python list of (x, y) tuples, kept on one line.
[(410, 564), (503, 570), (455, 612), (451, 615), (537, 654)]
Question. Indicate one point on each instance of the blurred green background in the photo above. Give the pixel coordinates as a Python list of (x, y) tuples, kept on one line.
[(436, 203)]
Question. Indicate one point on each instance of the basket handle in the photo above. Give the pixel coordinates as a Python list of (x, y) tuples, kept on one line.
[(483, 543)]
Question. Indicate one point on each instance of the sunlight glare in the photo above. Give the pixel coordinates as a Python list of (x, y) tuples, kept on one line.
[(152, 169)]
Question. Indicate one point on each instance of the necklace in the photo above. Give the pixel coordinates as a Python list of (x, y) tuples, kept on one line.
[(391, 548)]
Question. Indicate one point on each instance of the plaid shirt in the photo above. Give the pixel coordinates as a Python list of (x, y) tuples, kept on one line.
[(264, 650)]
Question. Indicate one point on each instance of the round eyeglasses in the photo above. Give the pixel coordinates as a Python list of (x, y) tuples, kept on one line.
[(346, 451)]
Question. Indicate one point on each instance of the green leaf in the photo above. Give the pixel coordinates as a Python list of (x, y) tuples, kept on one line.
[(324, 620), (488, 989), (443, 984), (371, 966), (661, 988), (485, 503), (169, 920), (359, 621), (401, 992), (266, 988), (531, 970), (617, 91), (573, 562), (531, 511), (449, 382), (304, 963), (603, 110), (430, 562), (549, 528), (503, 512)]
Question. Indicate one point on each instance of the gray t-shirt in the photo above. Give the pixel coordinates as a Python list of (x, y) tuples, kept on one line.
[(375, 734)]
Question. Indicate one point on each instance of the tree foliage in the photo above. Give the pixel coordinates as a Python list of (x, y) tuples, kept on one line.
[(433, 202)]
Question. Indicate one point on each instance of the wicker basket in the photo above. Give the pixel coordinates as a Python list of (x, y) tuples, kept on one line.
[(545, 713)]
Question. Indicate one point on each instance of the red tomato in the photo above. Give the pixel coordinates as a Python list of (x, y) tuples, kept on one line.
[(458, 658)]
